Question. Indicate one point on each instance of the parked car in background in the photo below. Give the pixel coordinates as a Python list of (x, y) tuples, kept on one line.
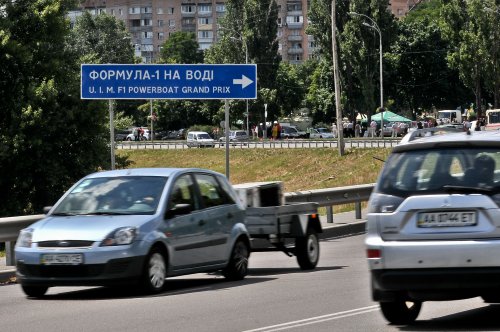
[(319, 133), (136, 227), (235, 136), (292, 132), (433, 222), (121, 135), (134, 135), (199, 139)]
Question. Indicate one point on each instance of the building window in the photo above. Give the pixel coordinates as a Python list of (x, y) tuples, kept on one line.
[(170, 10), (279, 47), (112, 12), (160, 35), (120, 12), (220, 8), (295, 19), (159, 10), (134, 10), (160, 48), (280, 33), (146, 22), (147, 34), (279, 21), (188, 9), (295, 32), (171, 23), (294, 7), (160, 23), (147, 10), (204, 9), (205, 20), (205, 34)]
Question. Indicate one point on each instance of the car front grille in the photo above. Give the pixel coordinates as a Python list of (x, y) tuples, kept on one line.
[(65, 244)]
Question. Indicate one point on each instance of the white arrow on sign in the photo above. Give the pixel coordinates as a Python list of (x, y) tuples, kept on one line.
[(244, 81)]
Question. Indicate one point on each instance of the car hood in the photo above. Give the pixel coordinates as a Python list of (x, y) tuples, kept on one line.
[(90, 228)]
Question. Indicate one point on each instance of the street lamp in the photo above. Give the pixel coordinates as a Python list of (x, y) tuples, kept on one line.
[(243, 40), (376, 28)]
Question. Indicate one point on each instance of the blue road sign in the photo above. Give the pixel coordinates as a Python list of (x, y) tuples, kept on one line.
[(163, 81)]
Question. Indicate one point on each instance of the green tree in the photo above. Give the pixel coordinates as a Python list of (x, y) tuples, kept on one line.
[(471, 29), (101, 39), (49, 138), (181, 47), (248, 32), (418, 70)]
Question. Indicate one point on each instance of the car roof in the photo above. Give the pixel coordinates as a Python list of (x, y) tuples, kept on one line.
[(197, 132), (166, 172), (446, 137)]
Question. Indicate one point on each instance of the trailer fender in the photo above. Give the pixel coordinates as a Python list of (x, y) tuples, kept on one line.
[(301, 222)]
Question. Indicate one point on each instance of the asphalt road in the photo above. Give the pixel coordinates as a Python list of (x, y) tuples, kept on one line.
[(276, 296)]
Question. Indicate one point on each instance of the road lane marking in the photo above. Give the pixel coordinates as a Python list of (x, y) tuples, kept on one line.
[(315, 320)]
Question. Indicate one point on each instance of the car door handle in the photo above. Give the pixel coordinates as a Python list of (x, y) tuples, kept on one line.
[(201, 222)]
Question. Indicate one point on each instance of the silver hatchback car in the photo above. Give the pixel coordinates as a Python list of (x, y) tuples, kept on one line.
[(136, 226), (433, 227)]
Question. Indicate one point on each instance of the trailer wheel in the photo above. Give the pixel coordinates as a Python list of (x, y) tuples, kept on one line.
[(307, 250)]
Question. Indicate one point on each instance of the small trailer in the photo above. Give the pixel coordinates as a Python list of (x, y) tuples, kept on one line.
[(276, 226)]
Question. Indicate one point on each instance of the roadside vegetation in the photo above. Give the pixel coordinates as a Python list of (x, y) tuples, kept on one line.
[(299, 169)]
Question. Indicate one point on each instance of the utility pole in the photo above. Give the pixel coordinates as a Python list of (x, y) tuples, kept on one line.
[(340, 141)]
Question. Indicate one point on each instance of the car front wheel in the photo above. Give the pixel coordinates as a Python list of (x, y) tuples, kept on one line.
[(237, 268), (155, 272), (400, 312), (34, 291)]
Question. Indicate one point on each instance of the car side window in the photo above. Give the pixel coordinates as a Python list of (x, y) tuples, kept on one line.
[(182, 193), (211, 192)]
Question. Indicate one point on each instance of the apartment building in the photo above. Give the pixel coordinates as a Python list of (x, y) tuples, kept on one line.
[(151, 22)]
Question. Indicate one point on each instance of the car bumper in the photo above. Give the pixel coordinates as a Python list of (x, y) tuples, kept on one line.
[(433, 270), (100, 265)]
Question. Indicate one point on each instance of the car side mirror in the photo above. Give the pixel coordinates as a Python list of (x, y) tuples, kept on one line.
[(46, 209), (178, 210)]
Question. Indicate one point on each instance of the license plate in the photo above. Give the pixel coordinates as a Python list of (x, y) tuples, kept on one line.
[(62, 259), (447, 219)]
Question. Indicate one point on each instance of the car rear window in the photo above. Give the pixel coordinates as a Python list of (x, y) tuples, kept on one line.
[(436, 170)]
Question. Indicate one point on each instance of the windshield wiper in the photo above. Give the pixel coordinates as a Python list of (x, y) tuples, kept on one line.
[(63, 214), (468, 190)]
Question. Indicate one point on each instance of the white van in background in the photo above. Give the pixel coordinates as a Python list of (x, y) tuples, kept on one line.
[(199, 139)]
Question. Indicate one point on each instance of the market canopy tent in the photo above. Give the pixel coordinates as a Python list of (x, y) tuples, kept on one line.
[(389, 116)]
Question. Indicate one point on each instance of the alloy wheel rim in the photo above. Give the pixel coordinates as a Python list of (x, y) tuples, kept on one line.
[(157, 270)]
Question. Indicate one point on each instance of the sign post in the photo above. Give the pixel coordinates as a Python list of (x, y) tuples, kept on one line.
[(169, 81)]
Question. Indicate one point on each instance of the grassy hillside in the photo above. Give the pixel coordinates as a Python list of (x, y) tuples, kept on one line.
[(299, 169)]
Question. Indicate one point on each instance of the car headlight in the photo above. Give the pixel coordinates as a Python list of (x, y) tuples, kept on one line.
[(25, 238), (120, 236)]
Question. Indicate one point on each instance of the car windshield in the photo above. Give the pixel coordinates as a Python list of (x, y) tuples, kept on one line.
[(445, 170), (126, 195), (203, 136), (323, 130)]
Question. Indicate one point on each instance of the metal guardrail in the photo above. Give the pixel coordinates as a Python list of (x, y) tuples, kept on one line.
[(11, 226), (266, 144)]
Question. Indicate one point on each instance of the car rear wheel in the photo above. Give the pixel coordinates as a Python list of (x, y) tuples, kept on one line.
[(155, 272), (237, 268), (34, 291), (307, 250), (400, 312)]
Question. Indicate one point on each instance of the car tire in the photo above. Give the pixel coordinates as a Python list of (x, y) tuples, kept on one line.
[(34, 291), (154, 272), (237, 268), (307, 250), (400, 312)]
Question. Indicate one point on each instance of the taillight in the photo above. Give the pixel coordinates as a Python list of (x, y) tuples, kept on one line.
[(373, 253)]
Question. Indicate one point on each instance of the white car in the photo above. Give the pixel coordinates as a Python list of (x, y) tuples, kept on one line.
[(135, 134), (199, 139), (320, 133), (433, 222)]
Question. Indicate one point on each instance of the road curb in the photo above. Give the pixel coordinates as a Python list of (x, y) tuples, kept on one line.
[(341, 230)]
